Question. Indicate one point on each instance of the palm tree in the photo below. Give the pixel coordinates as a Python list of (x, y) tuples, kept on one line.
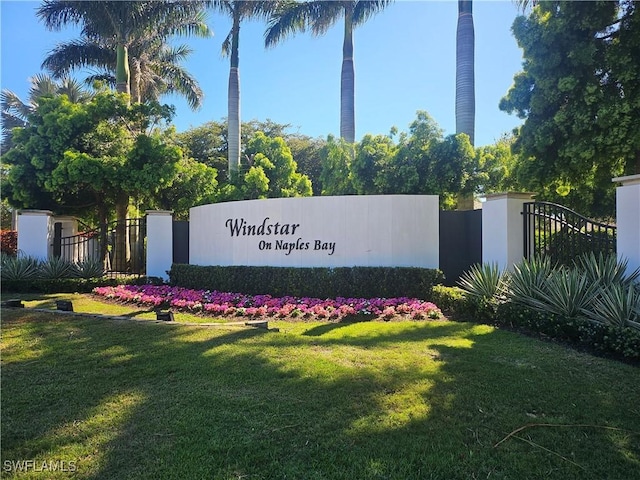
[(238, 10), (319, 16), (465, 81), (119, 26), (154, 66), (116, 35), (15, 112)]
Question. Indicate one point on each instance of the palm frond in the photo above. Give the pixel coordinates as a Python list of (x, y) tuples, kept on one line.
[(226, 45), (81, 53), (365, 9), (289, 18)]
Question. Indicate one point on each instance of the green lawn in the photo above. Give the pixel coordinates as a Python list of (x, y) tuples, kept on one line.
[(397, 400)]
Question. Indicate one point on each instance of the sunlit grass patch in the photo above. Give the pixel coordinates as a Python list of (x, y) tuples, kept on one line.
[(399, 400)]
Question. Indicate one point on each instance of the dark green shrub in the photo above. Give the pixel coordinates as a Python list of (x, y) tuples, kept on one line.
[(58, 285), (450, 299), (606, 340), (363, 282)]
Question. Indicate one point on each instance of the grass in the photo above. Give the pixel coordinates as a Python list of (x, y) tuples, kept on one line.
[(90, 304), (397, 400)]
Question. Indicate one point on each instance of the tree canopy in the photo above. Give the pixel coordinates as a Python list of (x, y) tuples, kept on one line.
[(79, 156), (580, 98)]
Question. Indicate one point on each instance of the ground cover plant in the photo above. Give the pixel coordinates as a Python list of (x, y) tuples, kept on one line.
[(330, 400)]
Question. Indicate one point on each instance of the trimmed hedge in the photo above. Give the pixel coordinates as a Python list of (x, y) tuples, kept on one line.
[(360, 282), (57, 285), (72, 285)]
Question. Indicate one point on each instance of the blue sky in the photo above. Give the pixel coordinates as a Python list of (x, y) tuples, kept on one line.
[(404, 60)]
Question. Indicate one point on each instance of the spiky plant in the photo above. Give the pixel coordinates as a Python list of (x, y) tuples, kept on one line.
[(57, 267), (528, 278), (19, 267), (565, 292), (606, 270), (90, 268), (617, 305), (484, 281)]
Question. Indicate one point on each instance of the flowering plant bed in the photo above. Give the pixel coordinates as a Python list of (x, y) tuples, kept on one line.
[(224, 304)]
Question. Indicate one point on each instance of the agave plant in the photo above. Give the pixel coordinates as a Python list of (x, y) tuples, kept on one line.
[(484, 281), (617, 305), (528, 278), (606, 270), (565, 292), (57, 267), (90, 268), (19, 267)]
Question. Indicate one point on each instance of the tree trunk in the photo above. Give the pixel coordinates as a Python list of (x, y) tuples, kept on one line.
[(123, 75), (122, 252), (465, 81), (233, 117), (347, 83), (102, 229)]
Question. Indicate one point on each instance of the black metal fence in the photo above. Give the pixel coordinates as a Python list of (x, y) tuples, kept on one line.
[(121, 246), (563, 235)]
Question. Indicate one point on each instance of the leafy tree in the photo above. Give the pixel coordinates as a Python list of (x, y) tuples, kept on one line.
[(307, 153), (374, 156), (15, 112), (319, 16), (128, 38), (496, 169), (272, 170), (194, 184), (208, 143), (578, 93), (336, 178), (73, 157), (448, 170)]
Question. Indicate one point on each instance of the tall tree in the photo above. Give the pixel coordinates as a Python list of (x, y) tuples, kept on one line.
[(238, 10), (465, 74), (319, 16), (74, 157), (128, 39), (579, 96)]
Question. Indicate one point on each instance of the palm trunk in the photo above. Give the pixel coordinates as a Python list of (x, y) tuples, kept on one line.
[(136, 79), (233, 117), (347, 85), (465, 81), (122, 70), (465, 84)]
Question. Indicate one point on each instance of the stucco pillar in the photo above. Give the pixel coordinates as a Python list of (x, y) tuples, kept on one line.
[(159, 243), (35, 233), (628, 220), (502, 229)]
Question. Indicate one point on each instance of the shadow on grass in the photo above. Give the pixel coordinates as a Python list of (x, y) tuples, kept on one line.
[(403, 401)]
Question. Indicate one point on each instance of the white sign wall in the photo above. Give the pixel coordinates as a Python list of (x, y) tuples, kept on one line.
[(341, 231)]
